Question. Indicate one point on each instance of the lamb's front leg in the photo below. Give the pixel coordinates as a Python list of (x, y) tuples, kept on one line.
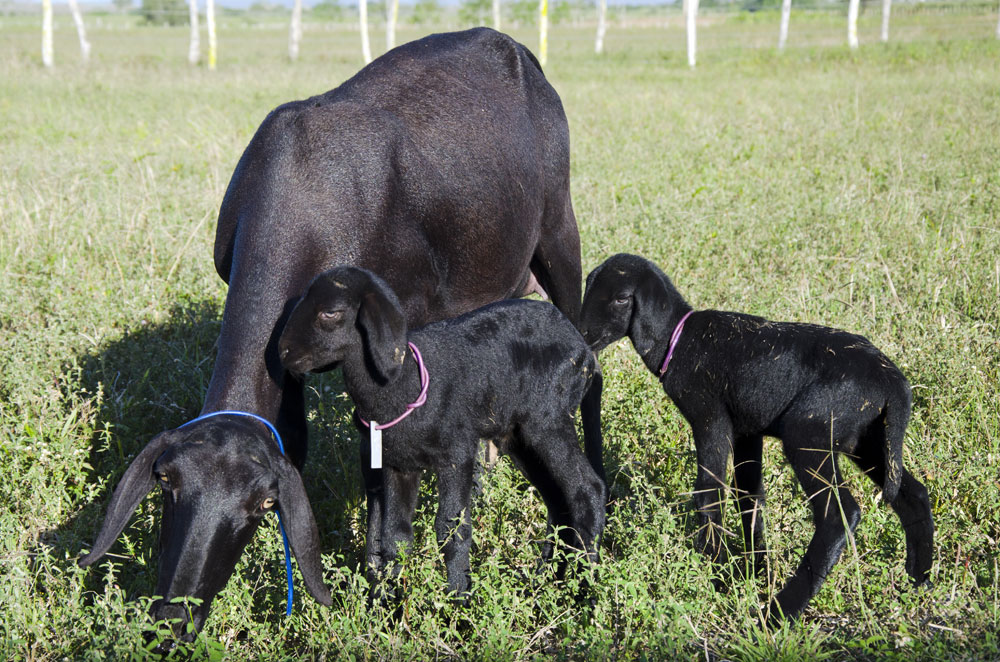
[(713, 441), (400, 490), (453, 525)]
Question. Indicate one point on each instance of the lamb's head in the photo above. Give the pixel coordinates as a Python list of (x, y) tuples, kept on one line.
[(630, 296), (347, 312)]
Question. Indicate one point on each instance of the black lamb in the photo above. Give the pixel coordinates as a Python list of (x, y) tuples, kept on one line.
[(513, 372), (737, 378)]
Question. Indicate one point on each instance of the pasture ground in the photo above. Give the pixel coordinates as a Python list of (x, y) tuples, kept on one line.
[(854, 189)]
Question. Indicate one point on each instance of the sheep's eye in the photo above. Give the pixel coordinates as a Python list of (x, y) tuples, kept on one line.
[(621, 300), (267, 504), (331, 316), (163, 480)]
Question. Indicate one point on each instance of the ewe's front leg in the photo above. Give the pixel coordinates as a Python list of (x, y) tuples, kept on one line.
[(453, 525)]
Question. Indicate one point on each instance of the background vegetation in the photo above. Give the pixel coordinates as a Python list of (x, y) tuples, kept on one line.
[(855, 189)]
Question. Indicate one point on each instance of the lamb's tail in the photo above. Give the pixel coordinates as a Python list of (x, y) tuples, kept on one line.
[(895, 417)]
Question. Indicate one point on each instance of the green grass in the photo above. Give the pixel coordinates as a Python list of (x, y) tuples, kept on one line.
[(854, 189)]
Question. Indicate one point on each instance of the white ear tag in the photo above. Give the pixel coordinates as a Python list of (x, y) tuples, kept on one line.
[(376, 445)]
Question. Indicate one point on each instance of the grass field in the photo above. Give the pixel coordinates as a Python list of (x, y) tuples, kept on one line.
[(854, 189)]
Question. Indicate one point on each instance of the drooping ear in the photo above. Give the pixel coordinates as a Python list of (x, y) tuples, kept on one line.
[(650, 312), (383, 328), (134, 485), (590, 278), (300, 525)]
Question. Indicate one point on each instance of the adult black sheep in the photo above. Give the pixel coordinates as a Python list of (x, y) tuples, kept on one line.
[(443, 166)]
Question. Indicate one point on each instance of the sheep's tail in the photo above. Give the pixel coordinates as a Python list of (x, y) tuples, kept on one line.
[(590, 415), (895, 417)]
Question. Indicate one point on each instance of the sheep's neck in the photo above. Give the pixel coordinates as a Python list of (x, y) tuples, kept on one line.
[(380, 401)]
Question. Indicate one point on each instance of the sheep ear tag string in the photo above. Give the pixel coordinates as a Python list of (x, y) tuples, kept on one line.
[(281, 525), (674, 337), (376, 428)]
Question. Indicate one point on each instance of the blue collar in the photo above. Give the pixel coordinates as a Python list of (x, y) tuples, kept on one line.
[(281, 447)]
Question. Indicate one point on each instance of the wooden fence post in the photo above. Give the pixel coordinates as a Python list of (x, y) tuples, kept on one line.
[(886, 8), (786, 12), (602, 25), (691, 16), (295, 31), (852, 23), (47, 55), (543, 31), (366, 49), (210, 24), (81, 31), (194, 45)]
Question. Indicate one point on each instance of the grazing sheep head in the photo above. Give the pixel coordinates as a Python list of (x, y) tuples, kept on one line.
[(219, 479)]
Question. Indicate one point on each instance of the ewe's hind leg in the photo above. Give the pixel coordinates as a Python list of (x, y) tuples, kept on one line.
[(453, 524), (556, 262), (747, 454), (833, 506), (574, 494), (912, 506)]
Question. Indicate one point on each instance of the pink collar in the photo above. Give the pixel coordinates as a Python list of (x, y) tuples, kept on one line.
[(675, 336), (425, 380)]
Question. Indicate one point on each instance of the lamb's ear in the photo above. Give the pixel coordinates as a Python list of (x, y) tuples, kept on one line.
[(383, 329), (650, 312), (590, 278), (133, 486), (300, 525)]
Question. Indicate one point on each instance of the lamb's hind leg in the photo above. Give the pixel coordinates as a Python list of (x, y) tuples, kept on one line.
[(453, 525), (747, 454), (912, 505), (574, 494), (834, 513)]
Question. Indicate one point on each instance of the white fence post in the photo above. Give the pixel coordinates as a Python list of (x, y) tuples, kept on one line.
[(786, 12), (366, 49), (543, 31), (47, 55), (602, 25), (295, 31), (81, 31), (194, 46), (496, 14), (691, 16), (886, 8), (392, 15), (852, 24), (210, 24)]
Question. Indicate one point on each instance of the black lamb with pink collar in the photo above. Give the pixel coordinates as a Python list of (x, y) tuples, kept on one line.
[(736, 378), (513, 372)]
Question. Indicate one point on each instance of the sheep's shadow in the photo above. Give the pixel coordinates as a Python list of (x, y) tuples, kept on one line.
[(153, 378)]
